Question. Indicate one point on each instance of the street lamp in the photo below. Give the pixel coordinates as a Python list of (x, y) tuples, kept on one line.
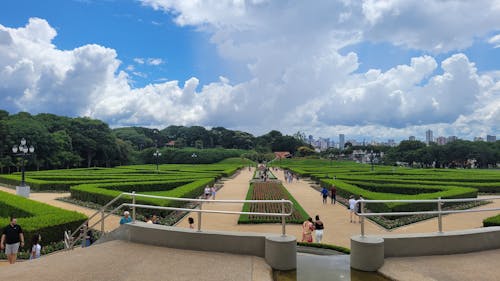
[(371, 159), (157, 155), (23, 150), (194, 156)]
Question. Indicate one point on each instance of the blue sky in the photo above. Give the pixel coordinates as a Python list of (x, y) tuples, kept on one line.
[(133, 30), (367, 69)]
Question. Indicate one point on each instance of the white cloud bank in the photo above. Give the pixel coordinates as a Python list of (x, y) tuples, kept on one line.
[(299, 79)]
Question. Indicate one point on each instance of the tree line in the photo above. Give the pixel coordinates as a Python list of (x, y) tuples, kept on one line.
[(64, 142), (456, 154)]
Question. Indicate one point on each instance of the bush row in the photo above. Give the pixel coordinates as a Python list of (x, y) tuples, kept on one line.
[(36, 217), (103, 193)]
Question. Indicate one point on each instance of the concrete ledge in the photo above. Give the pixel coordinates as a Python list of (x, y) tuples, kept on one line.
[(446, 243), (367, 253), (279, 252)]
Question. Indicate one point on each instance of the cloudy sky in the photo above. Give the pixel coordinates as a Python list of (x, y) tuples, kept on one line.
[(367, 69)]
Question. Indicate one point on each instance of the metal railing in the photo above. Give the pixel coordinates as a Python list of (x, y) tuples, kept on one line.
[(71, 238), (439, 212)]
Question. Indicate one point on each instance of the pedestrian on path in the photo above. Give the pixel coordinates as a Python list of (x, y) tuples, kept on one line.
[(191, 222), (352, 205), (12, 238), (213, 190), (333, 194), (36, 248), (126, 218), (307, 228), (207, 192), (324, 193), (318, 226)]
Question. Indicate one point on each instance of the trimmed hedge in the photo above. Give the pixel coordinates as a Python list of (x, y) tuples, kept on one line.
[(103, 193), (492, 221), (36, 217), (325, 246)]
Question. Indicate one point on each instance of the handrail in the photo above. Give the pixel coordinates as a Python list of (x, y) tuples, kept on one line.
[(70, 242), (439, 211)]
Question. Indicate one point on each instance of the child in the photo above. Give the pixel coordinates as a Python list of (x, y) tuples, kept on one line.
[(36, 248), (191, 222)]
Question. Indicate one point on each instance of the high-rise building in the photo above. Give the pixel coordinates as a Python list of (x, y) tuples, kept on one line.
[(428, 136), (478, 139), (441, 140), (341, 141), (490, 138), (452, 138), (412, 138)]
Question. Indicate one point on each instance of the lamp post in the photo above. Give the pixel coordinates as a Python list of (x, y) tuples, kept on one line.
[(371, 158), (23, 150), (194, 156), (157, 155)]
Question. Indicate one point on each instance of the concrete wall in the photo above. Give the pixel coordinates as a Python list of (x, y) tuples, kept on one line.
[(425, 244), (453, 242), (279, 252)]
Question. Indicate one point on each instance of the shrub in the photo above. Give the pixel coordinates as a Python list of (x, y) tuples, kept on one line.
[(492, 221)]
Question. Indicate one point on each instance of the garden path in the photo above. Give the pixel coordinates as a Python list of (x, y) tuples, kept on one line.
[(50, 198)]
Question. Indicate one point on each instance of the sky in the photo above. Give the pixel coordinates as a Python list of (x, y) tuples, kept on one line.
[(373, 70)]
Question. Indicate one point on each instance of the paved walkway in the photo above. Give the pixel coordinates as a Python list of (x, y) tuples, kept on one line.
[(49, 198), (119, 260), (472, 266)]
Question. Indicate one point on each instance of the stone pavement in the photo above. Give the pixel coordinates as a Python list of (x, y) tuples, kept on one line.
[(471, 266), (119, 260)]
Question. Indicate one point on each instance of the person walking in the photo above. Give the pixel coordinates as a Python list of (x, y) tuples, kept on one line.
[(126, 218), (191, 222), (307, 228), (213, 191), (36, 248), (333, 194), (324, 193), (207, 192), (12, 238), (352, 205), (318, 226)]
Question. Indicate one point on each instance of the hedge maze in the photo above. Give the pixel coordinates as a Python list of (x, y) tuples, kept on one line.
[(35, 217), (101, 185), (387, 182)]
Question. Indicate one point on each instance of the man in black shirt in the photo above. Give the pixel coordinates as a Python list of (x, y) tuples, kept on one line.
[(12, 237)]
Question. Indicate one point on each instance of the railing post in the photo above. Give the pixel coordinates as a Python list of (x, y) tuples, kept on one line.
[(133, 206), (102, 222), (283, 221), (199, 216), (84, 236), (440, 216), (362, 218)]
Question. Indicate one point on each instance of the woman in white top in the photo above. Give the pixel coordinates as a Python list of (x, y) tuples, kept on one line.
[(352, 205), (36, 248)]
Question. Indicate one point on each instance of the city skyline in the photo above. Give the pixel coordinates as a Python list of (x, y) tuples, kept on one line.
[(365, 69)]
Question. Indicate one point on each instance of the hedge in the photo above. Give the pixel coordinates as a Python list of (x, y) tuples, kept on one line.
[(36, 217), (103, 193), (492, 221), (325, 246)]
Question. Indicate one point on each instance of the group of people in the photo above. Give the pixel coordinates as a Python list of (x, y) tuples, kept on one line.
[(13, 238), (332, 193), (289, 176), (309, 226), (210, 192)]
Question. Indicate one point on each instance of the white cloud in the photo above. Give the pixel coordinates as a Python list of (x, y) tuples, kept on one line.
[(299, 80), (139, 60), (149, 61), (495, 40)]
